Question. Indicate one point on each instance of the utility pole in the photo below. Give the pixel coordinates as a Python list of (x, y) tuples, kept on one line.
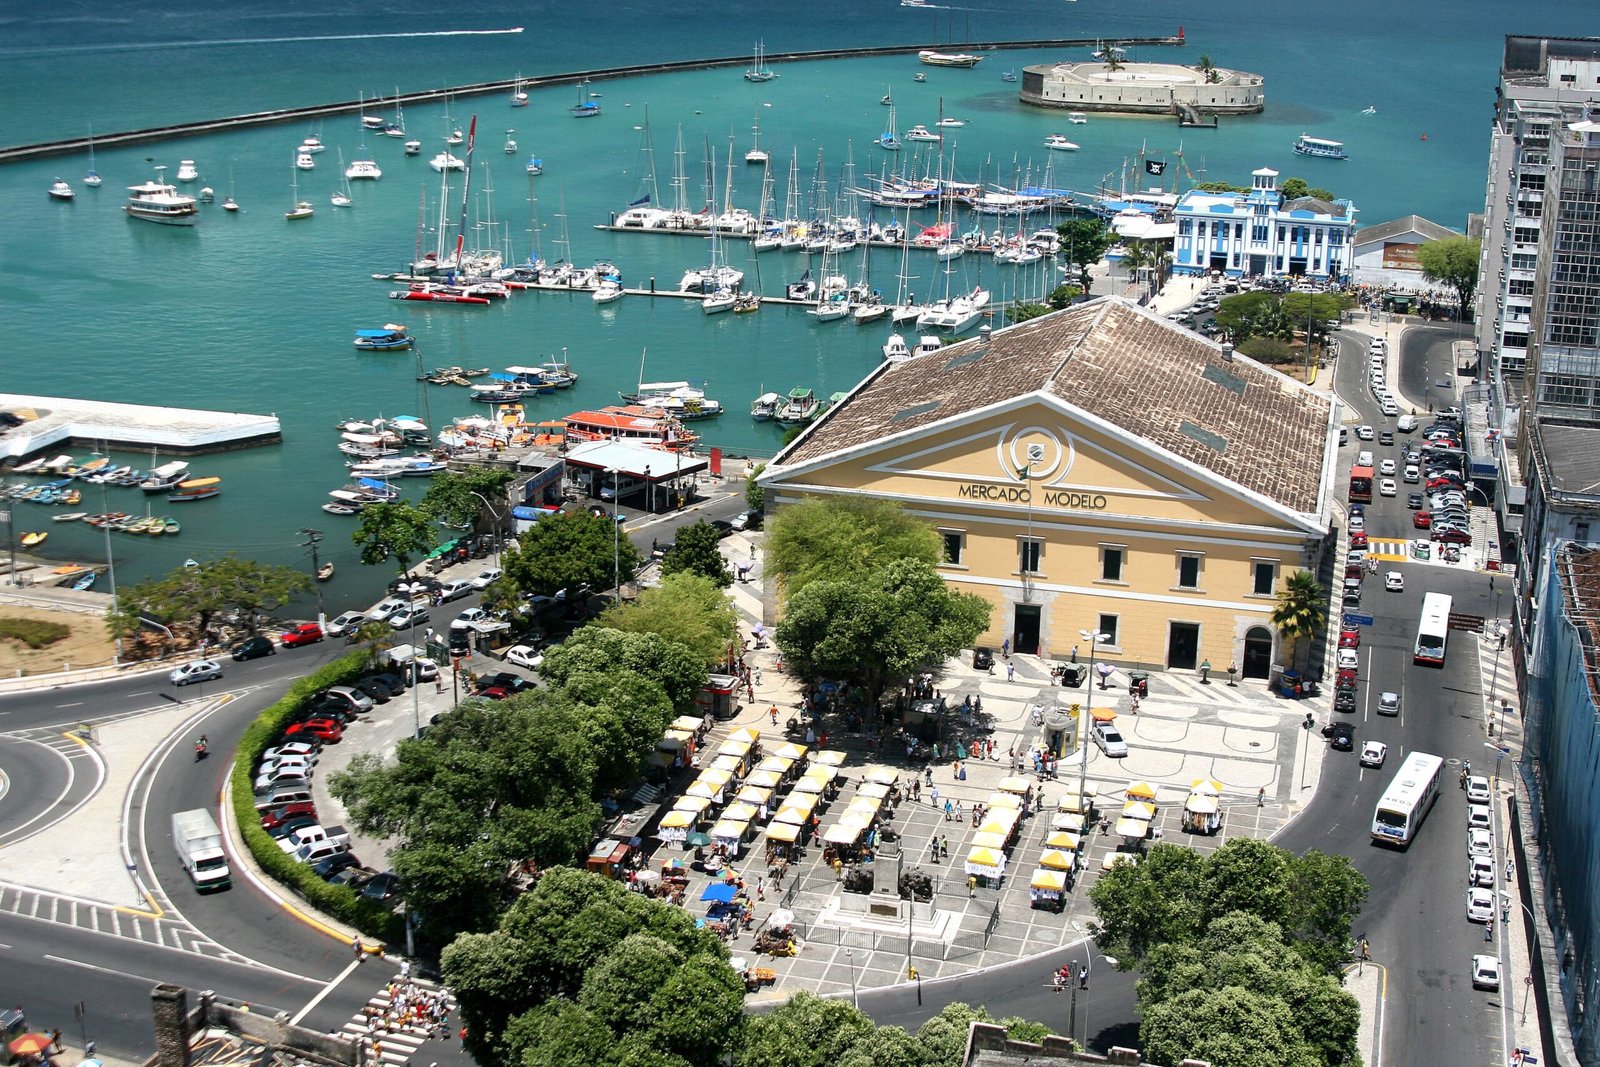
[(313, 538)]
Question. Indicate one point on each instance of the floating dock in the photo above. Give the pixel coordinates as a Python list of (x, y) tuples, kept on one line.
[(52, 422)]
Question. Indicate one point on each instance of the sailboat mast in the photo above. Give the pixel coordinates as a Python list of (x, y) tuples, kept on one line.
[(466, 190)]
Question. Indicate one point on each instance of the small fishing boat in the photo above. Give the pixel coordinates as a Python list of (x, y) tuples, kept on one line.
[(390, 337), (920, 77), (34, 537), (413, 147), (535, 165), (1009, 76), (511, 143), (800, 407), (71, 516), (765, 407), (325, 572), (196, 489), (340, 509), (170, 527), (312, 145), (85, 580), (60, 190), (1077, 118), (165, 477)]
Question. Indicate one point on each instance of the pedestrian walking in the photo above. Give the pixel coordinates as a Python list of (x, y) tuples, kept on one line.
[(1011, 671), (972, 885), (944, 847), (933, 850), (359, 948), (933, 794), (758, 675), (1261, 797), (1083, 977), (55, 1040), (438, 683), (1488, 930), (948, 810), (928, 772), (1005, 648), (773, 711)]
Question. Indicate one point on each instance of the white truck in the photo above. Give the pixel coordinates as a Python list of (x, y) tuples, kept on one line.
[(199, 844)]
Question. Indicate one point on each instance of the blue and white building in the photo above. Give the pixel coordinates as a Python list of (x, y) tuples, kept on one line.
[(1263, 233)]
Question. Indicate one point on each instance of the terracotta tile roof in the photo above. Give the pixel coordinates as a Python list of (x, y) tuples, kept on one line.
[(1121, 364)]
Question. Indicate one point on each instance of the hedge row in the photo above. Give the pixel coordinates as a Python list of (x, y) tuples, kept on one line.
[(343, 903)]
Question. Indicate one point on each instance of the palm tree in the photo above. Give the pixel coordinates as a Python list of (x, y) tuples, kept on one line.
[(1301, 607)]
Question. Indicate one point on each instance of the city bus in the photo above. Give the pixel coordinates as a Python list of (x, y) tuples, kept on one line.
[(1360, 485), (1405, 803), (1432, 630)]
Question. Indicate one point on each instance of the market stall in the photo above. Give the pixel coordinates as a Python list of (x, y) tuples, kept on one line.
[(1132, 831), (674, 826), (1047, 889), (1140, 791), (1202, 813), (986, 864), (1067, 820), (1057, 859)]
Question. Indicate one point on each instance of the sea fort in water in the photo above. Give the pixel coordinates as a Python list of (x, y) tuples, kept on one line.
[(1143, 88)]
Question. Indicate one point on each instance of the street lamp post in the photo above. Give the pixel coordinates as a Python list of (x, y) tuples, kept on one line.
[(498, 532), (616, 532), (855, 998), (1084, 984), (1094, 637)]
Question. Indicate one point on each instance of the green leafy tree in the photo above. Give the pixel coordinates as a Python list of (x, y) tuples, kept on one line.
[(597, 650), (686, 608), (1226, 1025), (697, 550), (754, 495), (450, 498), (1301, 609), (1221, 187), (818, 539), (1064, 295), (1085, 242), (557, 1033), (808, 1031), (1023, 312), (885, 1046), (1293, 188), (944, 1037), (624, 715), (569, 549), (1320, 193), (871, 628), (1238, 314), (1272, 321), (1141, 906), (1327, 894), (1453, 262), (402, 532), (189, 598)]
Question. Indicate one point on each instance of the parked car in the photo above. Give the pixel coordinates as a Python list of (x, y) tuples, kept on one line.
[(1109, 739), (380, 693), (383, 889), (505, 680), (1480, 871), (1373, 753), (1485, 972), (385, 608), (1341, 736), (747, 520), (319, 727), (1480, 842), (1451, 536), (287, 827), (409, 616), (1422, 520), (202, 670), (983, 658), (253, 648), (344, 695), (1480, 815), (301, 749), (1349, 659), (276, 817), (1350, 638), (1358, 540), (525, 656), (344, 623), (482, 579), (1364, 432), (1478, 789), (1344, 699), (279, 776), (1480, 904), (306, 633)]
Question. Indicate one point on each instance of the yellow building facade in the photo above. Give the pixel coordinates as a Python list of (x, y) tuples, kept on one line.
[(1096, 469)]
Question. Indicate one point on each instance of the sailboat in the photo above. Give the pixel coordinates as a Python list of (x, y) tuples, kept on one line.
[(769, 231), (759, 72), (341, 196), (301, 208), (397, 128), (519, 95), (833, 301), (721, 291), (870, 306), (363, 168), (889, 139), (511, 143), (585, 108), (756, 155), (91, 177)]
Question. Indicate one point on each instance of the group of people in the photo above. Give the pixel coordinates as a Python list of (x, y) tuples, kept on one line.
[(408, 1006)]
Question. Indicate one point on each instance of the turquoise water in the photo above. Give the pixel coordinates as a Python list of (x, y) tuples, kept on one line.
[(249, 312)]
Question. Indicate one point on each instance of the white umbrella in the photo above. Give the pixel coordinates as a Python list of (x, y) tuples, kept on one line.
[(780, 917), (738, 963)]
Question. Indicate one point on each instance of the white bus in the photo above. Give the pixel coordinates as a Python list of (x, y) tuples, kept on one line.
[(1433, 630), (1405, 803)]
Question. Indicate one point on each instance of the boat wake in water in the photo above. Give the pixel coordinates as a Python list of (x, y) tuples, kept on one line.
[(152, 46)]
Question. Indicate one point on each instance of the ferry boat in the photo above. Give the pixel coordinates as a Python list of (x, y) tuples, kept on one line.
[(685, 400), (156, 201), (643, 425), (1320, 146), (800, 407), (948, 59), (195, 489), (764, 408), (1077, 118)]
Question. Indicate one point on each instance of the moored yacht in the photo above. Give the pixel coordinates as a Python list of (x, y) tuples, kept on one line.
[(156, 201), (187, 171), (60, 190)]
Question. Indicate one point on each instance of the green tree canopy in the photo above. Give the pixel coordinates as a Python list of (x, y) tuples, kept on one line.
[(1221, 187), (686, 608), (1085, 242), (1301, 608), (873, 627), (598, 650), (697, 551), (450, 498), (808, 1031), (400, 530), (754, 495), (624, 714), (1453, 261), (1238, 314), (1063, 295), (190, 597), (569, 549), (843, 538), (1224, 1025)]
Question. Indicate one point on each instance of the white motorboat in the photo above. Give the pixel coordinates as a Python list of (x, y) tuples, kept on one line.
[(511, 143), (607, 291), (955, 314), (363, 169), (187, 171), (156, 201), (896, 351), (954, 124), (1059, 143), (1077, 118), (456, 137), (718, 301), (948, 59), (312, 145), (304, 161), (60, 190), (921, 133), (765, 407), (413, 147), (445, 161), (710, 279)]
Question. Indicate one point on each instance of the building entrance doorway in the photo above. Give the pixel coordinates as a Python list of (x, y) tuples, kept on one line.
[(1025, 632), (1258, 653), (1183, 645)]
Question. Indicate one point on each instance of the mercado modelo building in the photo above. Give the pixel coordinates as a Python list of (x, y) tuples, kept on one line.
[(1263, 233), (1096, 469)]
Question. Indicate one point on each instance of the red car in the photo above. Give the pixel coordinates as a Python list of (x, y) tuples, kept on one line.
[(326, 730), (1422, 520), (1358, 539), (307, 633), (270, 819), (1350, 639), (1445, 483), (1346, 679), (1453, 537)]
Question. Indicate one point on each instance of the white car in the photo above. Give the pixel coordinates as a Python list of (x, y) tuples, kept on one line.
[(472, 615), (1480, 905), (1478, 789), (1348, 659), (291, 748), (482, 579), (201, 670), (525, 656), (1109, 738), (387, 607), (1394, 581), (1358, 523), (1386, 487), (1480, 871), (1485, 972), (342, 624), (1373, 753), (1388, 703), (1364, 432), (1479, 815), (1480, 842), (1386, 467), (409, 616)]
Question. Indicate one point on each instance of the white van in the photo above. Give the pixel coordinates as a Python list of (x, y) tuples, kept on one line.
[(1407, 424), (1363, 459)]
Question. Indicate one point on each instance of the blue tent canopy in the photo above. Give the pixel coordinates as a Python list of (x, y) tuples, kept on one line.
[(720, 892)]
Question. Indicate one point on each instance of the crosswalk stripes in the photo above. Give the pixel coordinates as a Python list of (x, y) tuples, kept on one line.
[(1191, 690), (396, 1041), (128, 923), (1387, 548)]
